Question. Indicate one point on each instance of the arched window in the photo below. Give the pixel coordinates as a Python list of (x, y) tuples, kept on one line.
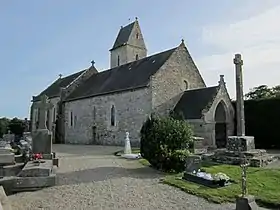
[(137, 35), (94, 113), (113, 116), (186, 85), (136, 57), (71, 119), (118, 60)]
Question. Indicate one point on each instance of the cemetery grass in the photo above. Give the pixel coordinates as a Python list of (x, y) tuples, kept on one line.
[(262, 183)]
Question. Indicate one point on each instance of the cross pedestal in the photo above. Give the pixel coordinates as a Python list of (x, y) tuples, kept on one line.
[(246, 203)]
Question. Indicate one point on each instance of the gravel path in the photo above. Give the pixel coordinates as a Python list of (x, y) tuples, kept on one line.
[(91, 178)]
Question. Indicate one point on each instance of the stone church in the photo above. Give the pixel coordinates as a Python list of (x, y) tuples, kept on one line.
[(92, 107)]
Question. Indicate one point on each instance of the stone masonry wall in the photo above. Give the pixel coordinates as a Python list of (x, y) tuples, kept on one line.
[(209, 117), (169, 82), (132, 109), (122, 53)]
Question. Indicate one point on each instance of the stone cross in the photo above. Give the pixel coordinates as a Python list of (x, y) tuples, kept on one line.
[(239, 96), (44, 106)]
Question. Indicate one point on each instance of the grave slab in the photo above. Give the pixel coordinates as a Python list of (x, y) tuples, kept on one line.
[(7, 159), (32, 169)]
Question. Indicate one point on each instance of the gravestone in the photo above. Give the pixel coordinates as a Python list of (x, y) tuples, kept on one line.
[(193, 163), (198, 146), (127, 147), (42, 137), (9, 137), (7, 157)]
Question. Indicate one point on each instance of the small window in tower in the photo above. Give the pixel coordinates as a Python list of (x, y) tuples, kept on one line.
[(137, 36), (118, 60), (136, 57)]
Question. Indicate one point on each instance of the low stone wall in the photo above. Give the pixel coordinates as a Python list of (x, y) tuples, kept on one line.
[(4, 201)]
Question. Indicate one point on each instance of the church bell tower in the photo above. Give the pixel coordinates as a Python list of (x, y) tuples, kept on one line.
[(129, 45)]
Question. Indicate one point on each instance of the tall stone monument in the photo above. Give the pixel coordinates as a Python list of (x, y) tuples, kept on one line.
[(42, 137), (242, 143)]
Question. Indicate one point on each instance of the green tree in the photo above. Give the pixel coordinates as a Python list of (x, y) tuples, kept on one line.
[(276, 91), (260, 92), (17, 126), (4, 123), (263, 92)]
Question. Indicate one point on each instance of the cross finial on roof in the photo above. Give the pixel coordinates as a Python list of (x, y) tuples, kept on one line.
[(60, 75), (92, 63), (222, 80), (136, 18), (183, 41)]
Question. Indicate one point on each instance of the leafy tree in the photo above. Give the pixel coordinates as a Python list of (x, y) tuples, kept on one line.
[(17, 126), (165, 142), (4, 123), (263, 92)]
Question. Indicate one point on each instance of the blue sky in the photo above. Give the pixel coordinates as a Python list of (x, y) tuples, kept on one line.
[(41, 39)]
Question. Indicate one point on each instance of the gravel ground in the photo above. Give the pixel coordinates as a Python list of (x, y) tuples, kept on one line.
[(91, 178)]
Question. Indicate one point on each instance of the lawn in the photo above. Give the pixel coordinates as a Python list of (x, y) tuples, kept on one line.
[(264, 184)]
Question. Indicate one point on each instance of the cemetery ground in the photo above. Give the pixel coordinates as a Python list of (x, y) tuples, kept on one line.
[(263, 183), (92, 178)]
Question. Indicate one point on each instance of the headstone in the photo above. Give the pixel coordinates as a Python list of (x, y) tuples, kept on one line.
[(42, 137), (9, 137), (127, 147), (198, 146), (42, 142), (6, 155), (193, 163)]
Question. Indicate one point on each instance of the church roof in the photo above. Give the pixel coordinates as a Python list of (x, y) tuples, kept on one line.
[(128, 76), (123, 36), (193, 101), (54, 89)]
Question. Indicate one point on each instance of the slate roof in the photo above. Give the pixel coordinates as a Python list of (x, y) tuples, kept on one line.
[(193, 101), (123, 36), (128, 76), (54, 89)]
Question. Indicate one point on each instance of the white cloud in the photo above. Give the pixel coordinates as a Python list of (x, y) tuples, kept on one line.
[(257, 38)]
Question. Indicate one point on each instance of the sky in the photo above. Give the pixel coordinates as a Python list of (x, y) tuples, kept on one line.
[(41, 39)]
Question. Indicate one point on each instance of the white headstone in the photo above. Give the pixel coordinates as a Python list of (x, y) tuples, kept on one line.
[(127, 147)]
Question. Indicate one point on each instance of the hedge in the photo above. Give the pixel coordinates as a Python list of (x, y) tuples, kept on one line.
[(262, 120)]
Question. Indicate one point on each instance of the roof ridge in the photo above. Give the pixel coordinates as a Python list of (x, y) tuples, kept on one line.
[(157, 54), (196, 89)]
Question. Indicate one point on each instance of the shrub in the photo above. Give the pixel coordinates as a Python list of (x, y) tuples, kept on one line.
[(165, 142)]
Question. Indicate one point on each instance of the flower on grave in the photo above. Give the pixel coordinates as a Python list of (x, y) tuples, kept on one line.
[(37, 156), (221, 176)]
